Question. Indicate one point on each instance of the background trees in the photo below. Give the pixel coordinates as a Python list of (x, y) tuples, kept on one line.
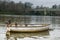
[(12, 8)]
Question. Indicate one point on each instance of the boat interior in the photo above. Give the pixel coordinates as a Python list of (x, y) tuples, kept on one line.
[(28, 25)]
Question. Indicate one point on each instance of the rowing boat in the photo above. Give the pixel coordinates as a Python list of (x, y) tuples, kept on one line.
[(27, 29)]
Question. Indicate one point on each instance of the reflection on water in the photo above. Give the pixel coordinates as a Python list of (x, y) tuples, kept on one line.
[(2, 33), (46, 35)]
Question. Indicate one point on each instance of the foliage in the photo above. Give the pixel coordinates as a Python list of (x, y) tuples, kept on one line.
[(12, 8)]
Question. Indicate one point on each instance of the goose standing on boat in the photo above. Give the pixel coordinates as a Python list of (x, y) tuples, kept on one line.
[(8, 23), (15, 24)]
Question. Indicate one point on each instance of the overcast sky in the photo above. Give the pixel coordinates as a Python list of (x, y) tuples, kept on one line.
[(46, 3)]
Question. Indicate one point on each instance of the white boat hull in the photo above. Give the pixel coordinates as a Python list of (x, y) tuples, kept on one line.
[(27, 29)]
